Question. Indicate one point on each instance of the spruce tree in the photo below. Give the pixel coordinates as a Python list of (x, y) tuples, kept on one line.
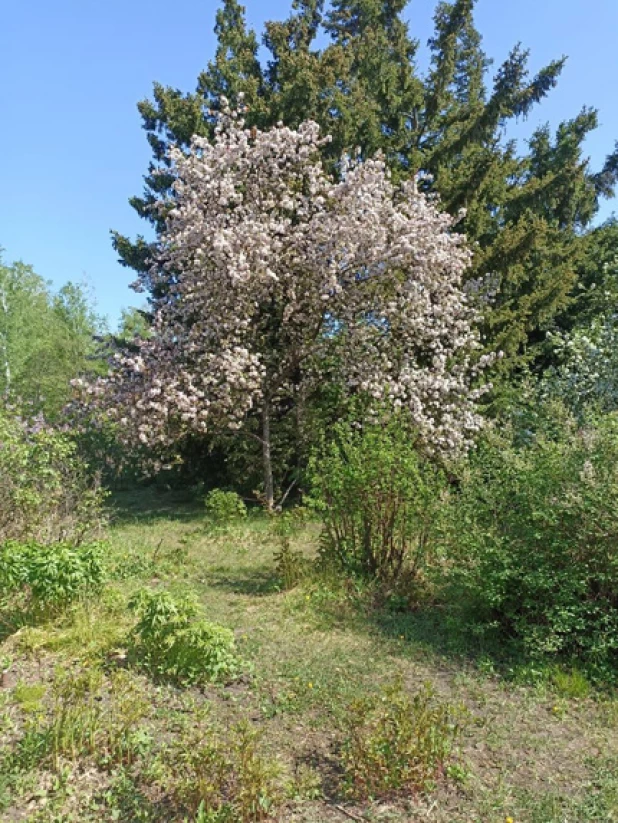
[(525, 214)]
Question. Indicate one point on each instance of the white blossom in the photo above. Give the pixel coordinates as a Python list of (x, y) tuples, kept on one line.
[(267, 267)]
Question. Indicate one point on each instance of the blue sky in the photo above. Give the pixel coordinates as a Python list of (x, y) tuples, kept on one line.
[(72, 71)]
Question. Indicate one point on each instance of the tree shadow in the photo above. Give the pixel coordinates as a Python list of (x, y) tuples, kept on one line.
[(147, 505), (451, 636), (246, 580), (447, 634)]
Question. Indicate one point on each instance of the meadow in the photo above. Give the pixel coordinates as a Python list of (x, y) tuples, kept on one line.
[(336, 704)]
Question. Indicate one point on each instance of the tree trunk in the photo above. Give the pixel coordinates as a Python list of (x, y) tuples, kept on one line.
[(269, 493)]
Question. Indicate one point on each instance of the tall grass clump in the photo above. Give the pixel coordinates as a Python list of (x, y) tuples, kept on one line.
[(397, 742)]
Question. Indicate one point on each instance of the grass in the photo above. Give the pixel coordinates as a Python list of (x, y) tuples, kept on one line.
[(84, 736)]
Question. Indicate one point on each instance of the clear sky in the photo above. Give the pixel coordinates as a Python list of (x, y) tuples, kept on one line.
[(71, 72)]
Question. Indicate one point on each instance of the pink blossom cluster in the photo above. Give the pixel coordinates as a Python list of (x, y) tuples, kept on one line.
[(268, 268)]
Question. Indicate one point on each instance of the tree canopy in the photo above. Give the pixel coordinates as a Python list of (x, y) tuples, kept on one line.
[(270, 269), (46, 339), (350, 66)]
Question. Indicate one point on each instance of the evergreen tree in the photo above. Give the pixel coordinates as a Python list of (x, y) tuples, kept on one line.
[(525, 213)]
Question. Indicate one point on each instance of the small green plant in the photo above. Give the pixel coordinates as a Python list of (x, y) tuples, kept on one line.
[(29, 696), (224, 507), (396, 742), (51, 576), (291, 564), (172, 642), (223, 779), (570, 683)]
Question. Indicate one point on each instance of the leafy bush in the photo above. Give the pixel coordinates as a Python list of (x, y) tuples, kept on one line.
[(45, 493), (223, 779), (535, 537), (170, 640), (52, 576), (224, 507), (396, 742), (378, 499)]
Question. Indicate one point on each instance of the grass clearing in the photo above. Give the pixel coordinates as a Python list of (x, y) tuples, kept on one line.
[(85, 736)]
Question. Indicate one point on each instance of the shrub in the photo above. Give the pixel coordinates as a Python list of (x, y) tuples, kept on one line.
[(224, 507), (45, 493), (170, 640), (378, 499), (396, 742), (223, 779), (51, 576), (535, 537)]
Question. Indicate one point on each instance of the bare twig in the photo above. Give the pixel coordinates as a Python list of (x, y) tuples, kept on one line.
[(285, 496), (351, 815)]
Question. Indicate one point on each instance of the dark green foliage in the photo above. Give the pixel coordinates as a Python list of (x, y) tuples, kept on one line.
[(379, 500), (172, 642), (525, 211), (397, 742), (535, 536), (51, 576)]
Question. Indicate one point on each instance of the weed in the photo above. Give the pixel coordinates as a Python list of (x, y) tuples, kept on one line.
[(570, 683), (396, 742), (292, 566), (223, 779), (224, 507), (86, 718), (29, 696)]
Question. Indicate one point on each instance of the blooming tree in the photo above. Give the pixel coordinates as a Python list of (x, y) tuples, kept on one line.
[(587, 374), (267, 267)]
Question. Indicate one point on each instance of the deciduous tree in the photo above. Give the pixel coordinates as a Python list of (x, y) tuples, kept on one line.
[(270, 272)]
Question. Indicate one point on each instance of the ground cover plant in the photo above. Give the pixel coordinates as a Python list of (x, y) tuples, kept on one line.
[(328, 718)]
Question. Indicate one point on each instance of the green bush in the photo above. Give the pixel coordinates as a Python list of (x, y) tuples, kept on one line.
[(378, 499), (52, 576), (224, 507), (45, 492), (396, 742), (170, 641), (534, 535)]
